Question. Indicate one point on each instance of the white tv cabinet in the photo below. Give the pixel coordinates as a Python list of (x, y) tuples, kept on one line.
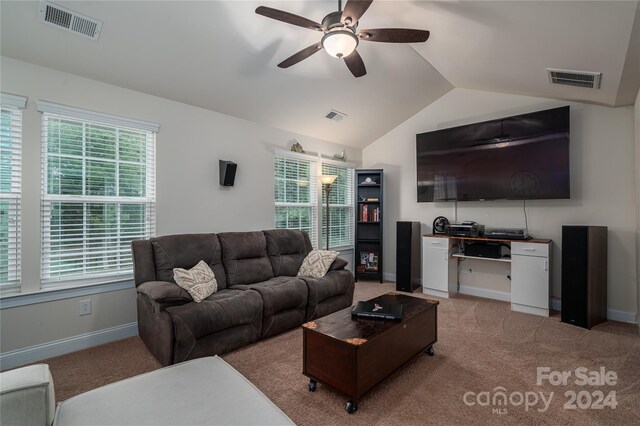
[(530, 270)]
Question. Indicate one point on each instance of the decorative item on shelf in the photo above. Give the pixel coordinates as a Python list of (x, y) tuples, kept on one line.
[(327, 181), (339, 157), (296, 147), (368, 181), (362, 198), (440, 224)]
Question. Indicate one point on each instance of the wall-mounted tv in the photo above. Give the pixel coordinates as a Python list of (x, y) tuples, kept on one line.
[(515, 158)]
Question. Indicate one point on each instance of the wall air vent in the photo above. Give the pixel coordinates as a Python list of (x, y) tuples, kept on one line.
[(590, 80), (68, 20), (334, 115)]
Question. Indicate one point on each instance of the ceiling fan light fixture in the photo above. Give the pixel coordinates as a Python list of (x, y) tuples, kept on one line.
[(340, 43)]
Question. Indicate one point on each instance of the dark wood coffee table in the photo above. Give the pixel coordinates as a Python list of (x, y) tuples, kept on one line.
[(353, 355)]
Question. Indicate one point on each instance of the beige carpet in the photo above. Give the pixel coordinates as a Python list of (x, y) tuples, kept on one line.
[(482, 345)]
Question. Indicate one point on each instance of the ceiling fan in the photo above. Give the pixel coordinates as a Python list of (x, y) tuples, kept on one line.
[(341, 34)]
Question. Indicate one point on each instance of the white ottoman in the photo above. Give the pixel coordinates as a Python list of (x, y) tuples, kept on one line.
[(205, 391)]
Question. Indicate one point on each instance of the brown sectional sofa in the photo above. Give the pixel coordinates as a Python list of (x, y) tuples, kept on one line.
[(258, 293)]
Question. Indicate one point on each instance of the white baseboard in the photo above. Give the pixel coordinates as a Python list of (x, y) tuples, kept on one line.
[(36, 353), (487, 294), (612, 314), (389, 277), (530, 310)]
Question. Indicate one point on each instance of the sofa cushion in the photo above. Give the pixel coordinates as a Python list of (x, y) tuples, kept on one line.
[(317, 263), (335, 283), (199, 281), (185, 251), (245, 257), (206, 391), (27, 396), (220, 311), (164, 292), (287, 249), (280, 294)]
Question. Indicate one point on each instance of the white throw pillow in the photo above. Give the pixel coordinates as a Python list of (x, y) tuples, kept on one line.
[(199, 281), (317, 263)]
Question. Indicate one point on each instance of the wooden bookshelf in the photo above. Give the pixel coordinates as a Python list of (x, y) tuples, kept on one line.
[(369, 221)]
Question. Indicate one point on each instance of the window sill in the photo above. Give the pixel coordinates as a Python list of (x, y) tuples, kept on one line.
[(51, 294)]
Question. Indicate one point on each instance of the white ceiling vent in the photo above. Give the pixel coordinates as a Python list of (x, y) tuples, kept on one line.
[(590, 80), (66, 19), (334, 115)]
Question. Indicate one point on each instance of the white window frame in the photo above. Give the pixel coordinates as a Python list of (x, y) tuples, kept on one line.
[(351, 190), (313, 196), (52, 111), (317, 206), (14, 104)]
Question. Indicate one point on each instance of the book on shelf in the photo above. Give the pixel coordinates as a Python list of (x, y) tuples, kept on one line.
[(368, 214), (368, 262)]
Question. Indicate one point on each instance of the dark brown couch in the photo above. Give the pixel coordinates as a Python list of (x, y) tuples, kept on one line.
[(258, 293)]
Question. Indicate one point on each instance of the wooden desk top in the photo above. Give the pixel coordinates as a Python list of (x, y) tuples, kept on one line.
[(497, 240)]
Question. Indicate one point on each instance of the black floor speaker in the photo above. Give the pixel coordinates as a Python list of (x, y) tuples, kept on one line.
[(408, 256), (584, 275)]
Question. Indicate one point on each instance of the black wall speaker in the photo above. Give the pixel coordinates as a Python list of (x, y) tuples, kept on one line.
[(408, 257), (584, 275), (227, 172)]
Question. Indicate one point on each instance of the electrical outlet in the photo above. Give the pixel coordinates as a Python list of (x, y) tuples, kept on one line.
[(84, 307)]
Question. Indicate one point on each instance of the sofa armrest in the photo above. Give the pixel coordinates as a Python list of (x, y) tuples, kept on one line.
[(27, 396), (338, 264), (164, 292)]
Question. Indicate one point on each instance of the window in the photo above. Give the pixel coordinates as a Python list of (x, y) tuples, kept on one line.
[(10, 189), (300, 203), (341, 198), (98, 193), (296, 199)]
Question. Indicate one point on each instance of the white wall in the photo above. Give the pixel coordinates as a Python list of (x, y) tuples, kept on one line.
[(602, 184), (189, 199)]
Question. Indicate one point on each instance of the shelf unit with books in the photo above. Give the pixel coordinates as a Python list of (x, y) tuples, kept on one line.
[(369, 221)]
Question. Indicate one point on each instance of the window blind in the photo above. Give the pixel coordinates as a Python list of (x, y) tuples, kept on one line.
[(98, 194), (296, 196), (10, 190), (341, 206)]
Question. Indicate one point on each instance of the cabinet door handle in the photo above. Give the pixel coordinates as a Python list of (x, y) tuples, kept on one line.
[(546, 265), (446, 255)]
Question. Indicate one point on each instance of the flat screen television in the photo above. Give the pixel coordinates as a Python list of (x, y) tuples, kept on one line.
[(515, 158)]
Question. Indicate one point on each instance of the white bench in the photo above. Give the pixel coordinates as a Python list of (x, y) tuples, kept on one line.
[(198, 392)]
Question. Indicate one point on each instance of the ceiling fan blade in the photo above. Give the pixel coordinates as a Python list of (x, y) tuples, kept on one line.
[(289, 18), (394, 35), (354, 9), (355, 64), (301, 55)]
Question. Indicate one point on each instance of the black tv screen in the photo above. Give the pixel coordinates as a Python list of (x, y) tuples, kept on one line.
[(515, 158)]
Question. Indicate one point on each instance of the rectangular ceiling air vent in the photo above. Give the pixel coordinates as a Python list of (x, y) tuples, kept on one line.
[(68, 20), (590, 80), (334, 115)]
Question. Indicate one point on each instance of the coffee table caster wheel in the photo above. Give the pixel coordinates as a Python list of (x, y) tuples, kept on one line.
[(313, 385), (429, 351), (351, 407)]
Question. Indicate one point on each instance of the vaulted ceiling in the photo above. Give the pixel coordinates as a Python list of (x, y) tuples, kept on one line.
[(221, 56)]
